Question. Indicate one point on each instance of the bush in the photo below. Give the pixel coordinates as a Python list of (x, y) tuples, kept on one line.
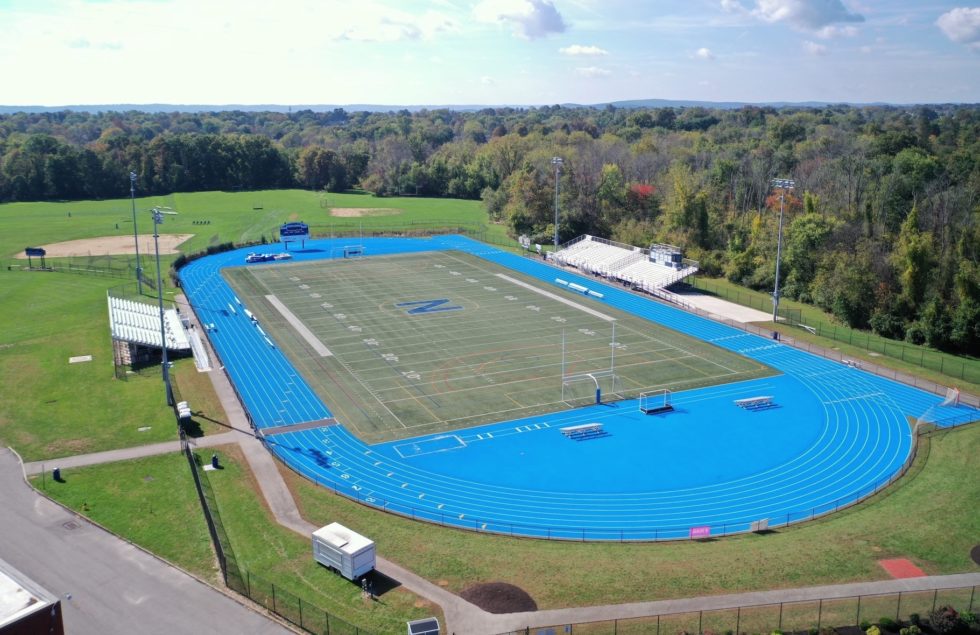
[(864, 625), (914, 619), (945, 620), (969, 617), (874, 630), (911, 630), (888, 624)]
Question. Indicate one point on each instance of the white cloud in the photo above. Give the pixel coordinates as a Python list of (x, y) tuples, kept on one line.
[(962, 25), (809, 15), (832, 30), (732, 6), (592, 71), (704, 54), (530, 19), (487, 80), (812, 48), (578, 49)]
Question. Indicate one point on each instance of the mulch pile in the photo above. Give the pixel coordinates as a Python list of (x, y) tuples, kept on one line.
[(500, 597)]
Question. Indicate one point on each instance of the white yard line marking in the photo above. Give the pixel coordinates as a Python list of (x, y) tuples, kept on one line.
[(548, 294), (304, 332)]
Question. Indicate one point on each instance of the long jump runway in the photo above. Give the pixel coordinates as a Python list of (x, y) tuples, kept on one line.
[(835, 435)]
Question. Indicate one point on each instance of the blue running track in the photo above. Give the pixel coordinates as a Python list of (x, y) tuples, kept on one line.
[(835, 436)]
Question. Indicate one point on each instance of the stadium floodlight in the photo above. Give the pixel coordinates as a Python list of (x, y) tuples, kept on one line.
[(136, 240), (782, 185), (557, 162), (157, 213)]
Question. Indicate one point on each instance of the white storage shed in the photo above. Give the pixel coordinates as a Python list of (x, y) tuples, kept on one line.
[(346, 551)]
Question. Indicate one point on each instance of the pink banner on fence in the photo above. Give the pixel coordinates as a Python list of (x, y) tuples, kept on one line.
[(701, 532)]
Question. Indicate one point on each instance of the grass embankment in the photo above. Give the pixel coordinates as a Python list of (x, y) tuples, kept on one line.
[(150, 501), (910, 520), (922, 361), (279, 556)]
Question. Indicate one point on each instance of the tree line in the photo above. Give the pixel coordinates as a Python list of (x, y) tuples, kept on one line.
[(880, 229)]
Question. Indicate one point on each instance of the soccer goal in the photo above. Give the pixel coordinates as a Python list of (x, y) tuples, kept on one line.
[(952, 397), (347, 251), (655, 401)]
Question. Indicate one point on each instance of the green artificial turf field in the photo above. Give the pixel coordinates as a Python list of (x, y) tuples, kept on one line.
[(405, 345)]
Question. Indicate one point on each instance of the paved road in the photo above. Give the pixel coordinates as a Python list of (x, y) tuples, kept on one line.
[(114, 587)]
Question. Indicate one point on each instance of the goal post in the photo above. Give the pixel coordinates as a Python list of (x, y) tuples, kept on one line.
[(588, 387), (654, 401)]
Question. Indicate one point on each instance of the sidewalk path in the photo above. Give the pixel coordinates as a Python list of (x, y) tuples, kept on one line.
[(108, 586), (124, 454)]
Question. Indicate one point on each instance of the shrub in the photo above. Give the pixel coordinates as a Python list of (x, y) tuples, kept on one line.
[(864, 625), (945, 620), (888, 624), (969, 617), (911, 630), (873, 630), (914, 619)]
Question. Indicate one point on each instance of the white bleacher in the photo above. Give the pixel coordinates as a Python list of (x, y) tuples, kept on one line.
[(139, 323), (626, 263)]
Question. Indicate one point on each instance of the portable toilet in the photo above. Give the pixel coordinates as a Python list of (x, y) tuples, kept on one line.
[(347, 552)]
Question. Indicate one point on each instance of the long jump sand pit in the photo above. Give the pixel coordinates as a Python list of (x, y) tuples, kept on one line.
[(111, 245), (358, 212)]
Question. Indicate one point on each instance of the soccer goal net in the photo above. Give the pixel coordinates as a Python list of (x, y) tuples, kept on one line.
[(952, 397), (655, 401), (347, 251)]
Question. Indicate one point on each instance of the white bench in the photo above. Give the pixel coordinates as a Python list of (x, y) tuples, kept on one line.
[(583, 431), (755, 403)]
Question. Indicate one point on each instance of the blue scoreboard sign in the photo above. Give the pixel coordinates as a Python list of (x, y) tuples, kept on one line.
[(294, 232)]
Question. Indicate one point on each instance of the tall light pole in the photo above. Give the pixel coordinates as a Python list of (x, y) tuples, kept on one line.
[(136, 240), (158, 213), (557, 162), (783, 185)]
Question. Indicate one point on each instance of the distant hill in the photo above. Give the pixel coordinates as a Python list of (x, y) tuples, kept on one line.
[(195, 108), (632, 103)]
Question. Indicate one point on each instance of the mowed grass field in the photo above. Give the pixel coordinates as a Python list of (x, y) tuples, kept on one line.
[(402, 345), (239, 217)]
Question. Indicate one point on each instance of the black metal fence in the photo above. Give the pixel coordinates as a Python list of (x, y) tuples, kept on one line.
[(277, 599), (904, 607)]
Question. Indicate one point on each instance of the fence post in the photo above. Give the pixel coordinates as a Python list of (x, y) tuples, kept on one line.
[(700, 618), (780, 627), (274, 599), (738, 619), (300, 612), (326, 619), (898, 607), (819, 613), (935, 595), (658, 625), (857, 618)]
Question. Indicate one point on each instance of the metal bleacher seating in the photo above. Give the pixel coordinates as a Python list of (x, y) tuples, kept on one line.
[(139, 323), (628, 264)]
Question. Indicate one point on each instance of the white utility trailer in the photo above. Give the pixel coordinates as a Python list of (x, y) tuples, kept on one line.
[(346, 551)]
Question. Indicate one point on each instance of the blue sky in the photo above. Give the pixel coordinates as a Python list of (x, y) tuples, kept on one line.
[(486, 51)]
